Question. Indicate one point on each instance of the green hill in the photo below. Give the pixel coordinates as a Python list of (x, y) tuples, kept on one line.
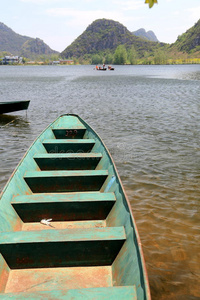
[(190, 40), (16, 44), (101, 40), (33, 48), (104, 36), (11, 41)]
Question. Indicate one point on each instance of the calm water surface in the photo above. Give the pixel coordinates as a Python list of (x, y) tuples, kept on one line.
[(149, 117)]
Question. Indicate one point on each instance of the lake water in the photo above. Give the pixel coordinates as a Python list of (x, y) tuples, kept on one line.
[(149, 118)]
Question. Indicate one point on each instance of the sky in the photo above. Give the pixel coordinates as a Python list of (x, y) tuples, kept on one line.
[(59, 22)]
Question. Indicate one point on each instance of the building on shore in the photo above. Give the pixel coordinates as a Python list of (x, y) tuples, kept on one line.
[(7, 60)]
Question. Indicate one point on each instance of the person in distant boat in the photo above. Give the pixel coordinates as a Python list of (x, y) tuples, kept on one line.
[(104, 66), (97, 67)]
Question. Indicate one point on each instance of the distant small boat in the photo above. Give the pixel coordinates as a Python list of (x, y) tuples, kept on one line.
[(111, 68), (101, 69), (67, 229), (7, 107)]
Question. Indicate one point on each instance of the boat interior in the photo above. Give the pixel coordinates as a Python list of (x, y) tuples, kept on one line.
[(67, 230)]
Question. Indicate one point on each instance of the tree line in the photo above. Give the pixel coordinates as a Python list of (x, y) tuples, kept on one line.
[(130, 56), (123, 56)]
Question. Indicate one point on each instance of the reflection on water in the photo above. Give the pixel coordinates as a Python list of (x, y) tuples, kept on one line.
[(14, 137), (149, 118), (17, 121)]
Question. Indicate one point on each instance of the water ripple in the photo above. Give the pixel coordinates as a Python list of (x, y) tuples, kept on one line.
[(149, 118)]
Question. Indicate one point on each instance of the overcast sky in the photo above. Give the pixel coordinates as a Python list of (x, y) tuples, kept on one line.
[(59, 22)]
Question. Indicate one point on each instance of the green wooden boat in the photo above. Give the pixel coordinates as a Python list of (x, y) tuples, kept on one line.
[(67, 230), (11, 106)]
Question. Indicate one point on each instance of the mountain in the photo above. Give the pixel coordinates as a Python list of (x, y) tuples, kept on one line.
[(190, 40), (147, 35), (11, 41), (101, 38), (20, 45), (35, 47), (104, 36)]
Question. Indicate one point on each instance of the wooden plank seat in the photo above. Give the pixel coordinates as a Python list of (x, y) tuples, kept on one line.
[(65, 181), (64, 207), (70, 133), (67, 161), (99, 293), (61, 248), (68, 145)]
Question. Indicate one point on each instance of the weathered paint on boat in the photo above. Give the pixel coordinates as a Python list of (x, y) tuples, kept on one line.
[(91, 247), (11, 106)]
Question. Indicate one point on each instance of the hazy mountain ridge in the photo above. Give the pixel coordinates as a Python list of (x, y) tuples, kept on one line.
[(147, 35)]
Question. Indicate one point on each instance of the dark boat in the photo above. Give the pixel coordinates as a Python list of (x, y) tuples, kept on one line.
[(101, 69), (110, 68), (67, 229), (11, 106)]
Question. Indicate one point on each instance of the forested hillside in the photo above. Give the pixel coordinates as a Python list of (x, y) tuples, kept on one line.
[(103, 37), (110, 42), (190, 40)]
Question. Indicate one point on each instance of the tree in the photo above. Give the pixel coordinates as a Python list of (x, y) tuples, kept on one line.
[(132, 56), (96, 59), (151, 2), (108, 59), (120, 56), (160, 58), (75, 60), (145, 60)]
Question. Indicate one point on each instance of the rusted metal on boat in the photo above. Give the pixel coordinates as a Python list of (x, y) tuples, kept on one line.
[(11, 106), (67, 229)]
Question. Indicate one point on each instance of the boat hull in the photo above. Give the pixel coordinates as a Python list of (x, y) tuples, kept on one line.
[(7, 107), (67, 229)]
